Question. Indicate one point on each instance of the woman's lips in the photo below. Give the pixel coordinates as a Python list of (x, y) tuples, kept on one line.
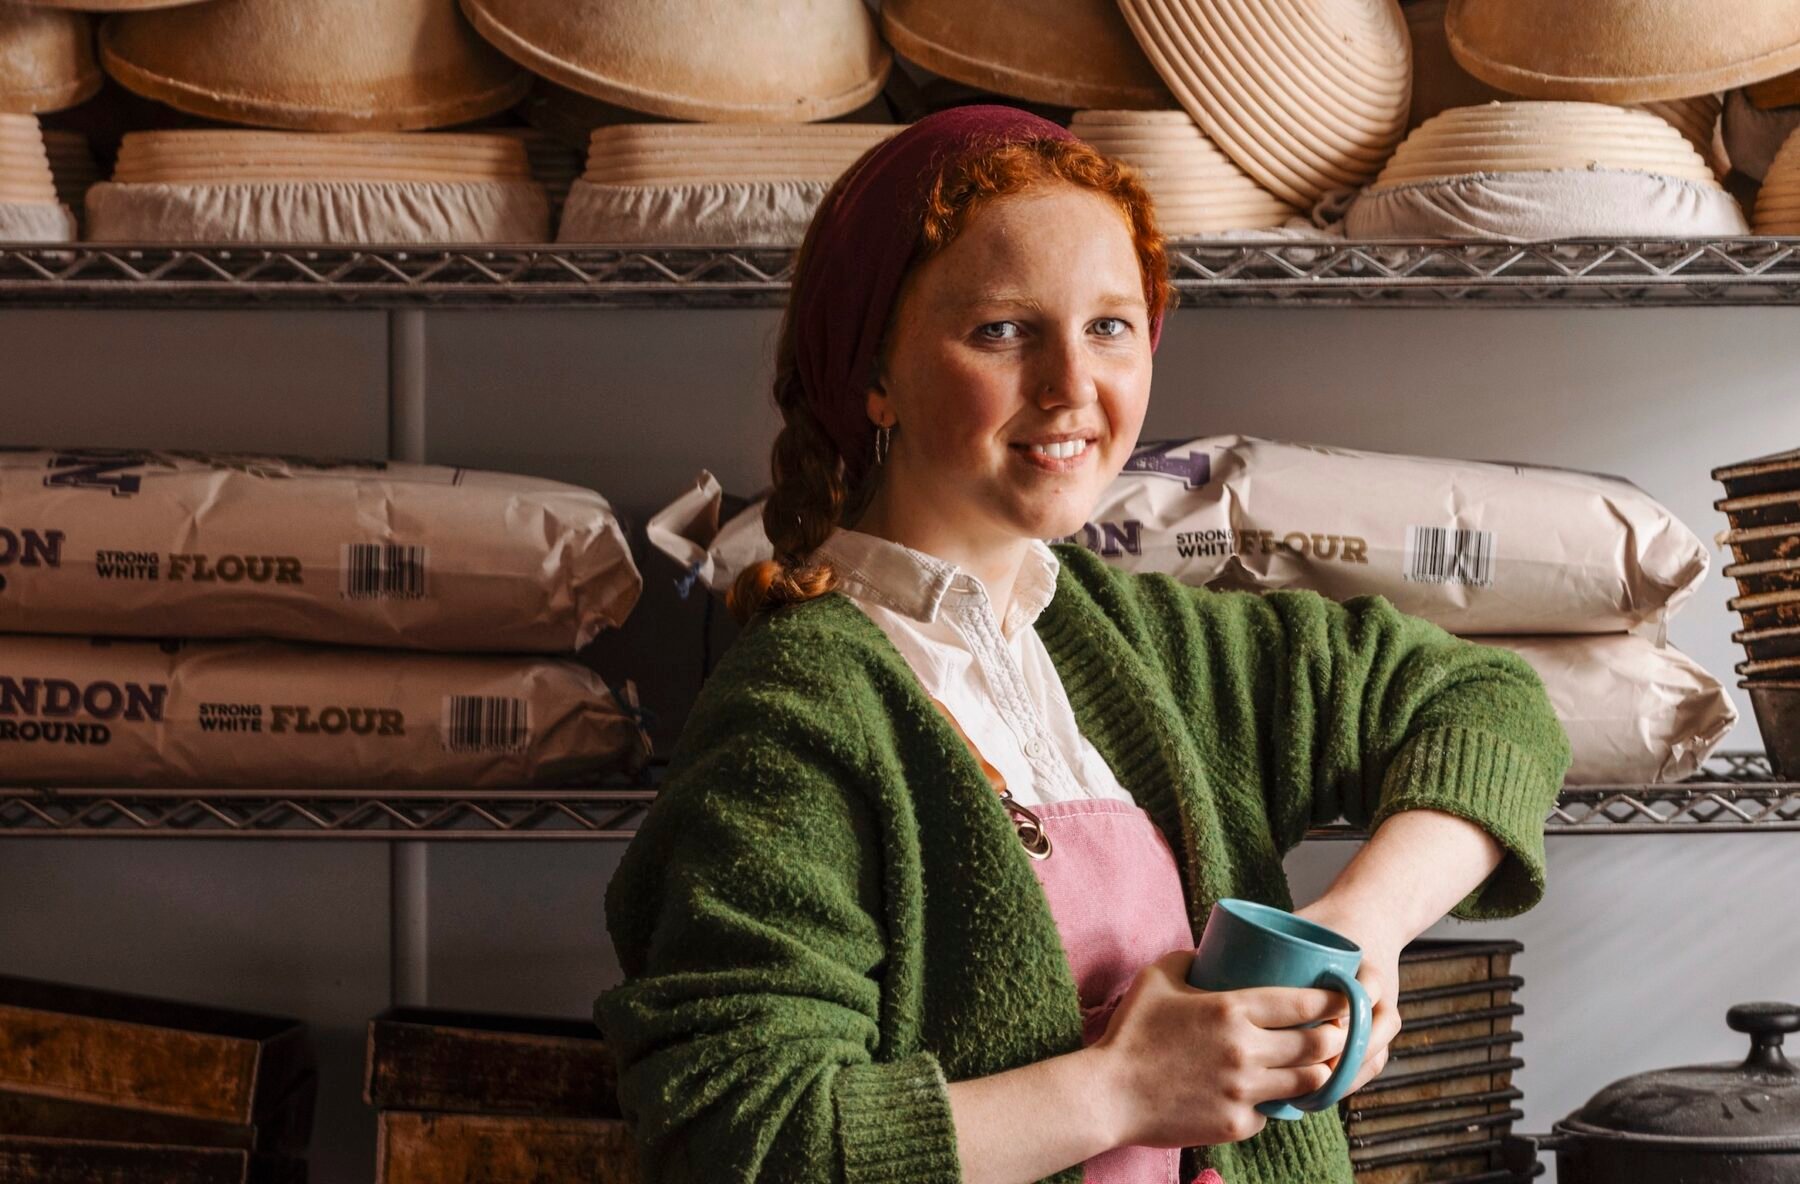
[(1055, 464)]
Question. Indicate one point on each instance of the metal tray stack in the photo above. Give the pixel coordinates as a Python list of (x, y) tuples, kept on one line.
[(1445, 1103), (500, 1099), (1762, 503), (101, 1086)]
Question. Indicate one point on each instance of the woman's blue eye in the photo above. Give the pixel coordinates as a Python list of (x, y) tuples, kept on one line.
[(1111, 326), (998, 330)]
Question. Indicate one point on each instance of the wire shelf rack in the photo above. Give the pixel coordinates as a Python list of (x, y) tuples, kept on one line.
[(1208, 273), (1734, 793)]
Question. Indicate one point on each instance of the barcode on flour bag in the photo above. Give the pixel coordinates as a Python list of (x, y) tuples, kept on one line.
[(1439, 555), (382, 571), (486, 723)]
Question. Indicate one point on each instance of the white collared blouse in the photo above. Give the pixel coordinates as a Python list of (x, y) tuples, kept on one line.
[(994, 679)]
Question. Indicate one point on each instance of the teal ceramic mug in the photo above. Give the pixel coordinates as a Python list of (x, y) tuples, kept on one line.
[(1253, 945)]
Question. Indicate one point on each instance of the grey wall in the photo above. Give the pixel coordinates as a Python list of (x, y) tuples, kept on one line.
[(1630, 963)]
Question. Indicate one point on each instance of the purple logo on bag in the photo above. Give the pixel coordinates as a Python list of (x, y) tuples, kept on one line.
[(96, 470), (1195, 468)]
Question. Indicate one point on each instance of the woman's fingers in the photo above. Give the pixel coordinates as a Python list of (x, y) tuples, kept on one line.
[(1298, 1047), (1281, 1084), (1290, 1007)]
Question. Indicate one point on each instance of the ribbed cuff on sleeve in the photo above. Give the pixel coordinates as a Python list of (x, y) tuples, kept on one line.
[(895, 1124), (1492, 782)]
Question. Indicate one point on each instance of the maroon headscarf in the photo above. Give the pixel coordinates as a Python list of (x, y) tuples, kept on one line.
[(861, 246)]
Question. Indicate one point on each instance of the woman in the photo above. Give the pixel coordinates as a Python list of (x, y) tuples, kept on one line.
[(918, 895)]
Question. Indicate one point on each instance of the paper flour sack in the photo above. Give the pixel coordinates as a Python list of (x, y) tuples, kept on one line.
[(1475, 547), (1636, 713), (178, 544), (75, 711)]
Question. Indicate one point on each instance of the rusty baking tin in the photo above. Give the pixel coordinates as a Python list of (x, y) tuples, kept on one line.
[(1763, 543), (1767, 610), (1777, 705), (112, 1049), (1763, 509), (1779, 473), (1764, 644), (1774, 575)]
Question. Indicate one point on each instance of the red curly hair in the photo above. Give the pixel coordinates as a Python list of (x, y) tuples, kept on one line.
[(810, 495)]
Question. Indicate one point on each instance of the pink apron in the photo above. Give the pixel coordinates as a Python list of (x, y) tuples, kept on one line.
[(1116, 895)]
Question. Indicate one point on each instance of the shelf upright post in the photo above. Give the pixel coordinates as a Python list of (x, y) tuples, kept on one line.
[(409, 937)]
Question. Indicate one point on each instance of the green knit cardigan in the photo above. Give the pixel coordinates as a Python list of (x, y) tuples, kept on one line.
[(826, 915)]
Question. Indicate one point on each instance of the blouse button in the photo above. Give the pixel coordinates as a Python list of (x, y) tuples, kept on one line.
[(1034, 747)]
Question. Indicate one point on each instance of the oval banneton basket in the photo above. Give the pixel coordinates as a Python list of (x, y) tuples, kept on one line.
[(1197, 188), (46, 59), (1307, 96), (314, 65), (1080, 52), (743, 61), (1623, 51)]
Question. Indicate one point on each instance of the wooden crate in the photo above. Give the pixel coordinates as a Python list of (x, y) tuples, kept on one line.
[(1429, 964), (287, 1128), (1372, 1121), (1441, 1106), (27, 1160), (467, 1062), (86, 1045), (417, 1148)]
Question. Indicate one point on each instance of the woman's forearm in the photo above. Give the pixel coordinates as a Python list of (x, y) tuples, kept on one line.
[(1415, 868), (1033, 1121)]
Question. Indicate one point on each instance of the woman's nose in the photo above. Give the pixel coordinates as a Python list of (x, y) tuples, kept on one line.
[(1064, 375)]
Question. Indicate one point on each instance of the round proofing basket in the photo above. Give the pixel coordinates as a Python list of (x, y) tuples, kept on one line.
[(749, 60), (313, 65), (24, 165), (1542, 137), (46, 59), (1778, 202), (671, 154), (1696, 118), (224, 157), (1196, 188), (1079, 53), (1623, 51), (1307, 96)]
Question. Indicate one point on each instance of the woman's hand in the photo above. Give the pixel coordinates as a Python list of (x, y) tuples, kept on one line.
[(1183, 1067), (1379, 974)]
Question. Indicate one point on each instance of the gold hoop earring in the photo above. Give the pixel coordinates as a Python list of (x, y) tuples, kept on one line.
[(883, 437)]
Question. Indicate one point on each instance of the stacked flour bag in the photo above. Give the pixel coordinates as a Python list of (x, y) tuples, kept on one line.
[(194, 619), (1577, 573)]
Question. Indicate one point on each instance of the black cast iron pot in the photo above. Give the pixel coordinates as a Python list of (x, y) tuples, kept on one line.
[(1701, 1124)]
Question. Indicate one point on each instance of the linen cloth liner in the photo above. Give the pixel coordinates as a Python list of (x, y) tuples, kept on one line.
[(36, 222), (1555, 203), (326, 212), (1753, 136), (774, 212)]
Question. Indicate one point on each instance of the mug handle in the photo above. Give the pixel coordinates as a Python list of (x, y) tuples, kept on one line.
[(1356, 1046)]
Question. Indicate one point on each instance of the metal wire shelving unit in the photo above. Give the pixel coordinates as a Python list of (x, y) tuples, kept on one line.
[(1734, 793), (1208, 273)]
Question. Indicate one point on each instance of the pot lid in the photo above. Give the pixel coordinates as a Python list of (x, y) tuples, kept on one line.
[(1754, 1102)]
